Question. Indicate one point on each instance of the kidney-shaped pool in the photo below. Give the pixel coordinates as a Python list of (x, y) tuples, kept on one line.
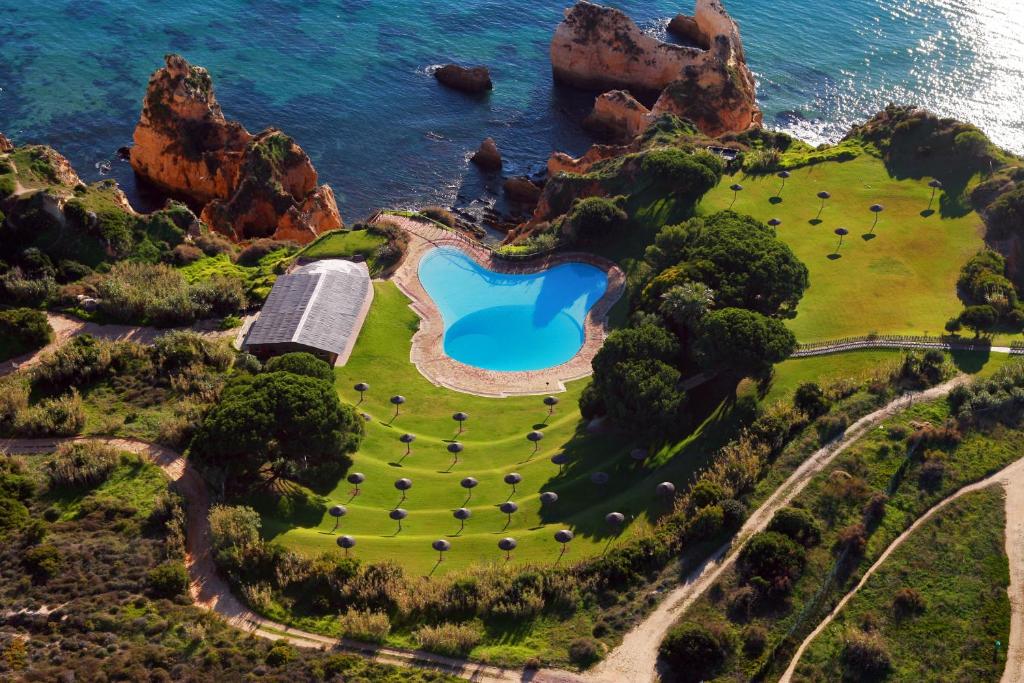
[(510, 322)]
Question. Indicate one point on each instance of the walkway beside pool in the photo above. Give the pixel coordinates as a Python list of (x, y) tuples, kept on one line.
[(428, 343)]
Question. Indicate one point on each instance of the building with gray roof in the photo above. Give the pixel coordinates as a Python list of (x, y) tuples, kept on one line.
[(318, 308)]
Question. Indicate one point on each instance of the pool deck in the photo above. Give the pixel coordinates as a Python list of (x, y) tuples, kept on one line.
[(428, 343)]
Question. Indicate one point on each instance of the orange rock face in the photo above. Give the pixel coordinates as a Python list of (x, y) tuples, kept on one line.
[(618, 115), (250, 186), (598, 47)]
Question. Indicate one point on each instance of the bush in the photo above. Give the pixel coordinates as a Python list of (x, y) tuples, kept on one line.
[(301, 363), (168, 580), (258, 249), (81, 465), (593, 218), (281, 653), (61, 416), (831, 426), (733, 513), (440, 214), (852, 540), (213, 243), (234, 527), (42, 562), (365, 625), (584, 651), (184, 254), (754, 639), (865, 654), (27, 328), (695, 652), (449, 639), (775, 558), (907, 602), (798, 524), (13, 514), (706, 523), (706, 493), (811, 400)]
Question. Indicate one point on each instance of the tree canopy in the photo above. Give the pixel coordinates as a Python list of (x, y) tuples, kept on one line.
[(742, 341), (738, 257), (291, 423), (301, 363), (593, 218), (643, 396)]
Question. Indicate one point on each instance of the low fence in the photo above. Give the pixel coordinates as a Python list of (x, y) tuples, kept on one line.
[(898, 341)]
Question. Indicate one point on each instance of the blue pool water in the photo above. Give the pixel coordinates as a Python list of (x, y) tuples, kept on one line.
[(349, 79), (510, 322)]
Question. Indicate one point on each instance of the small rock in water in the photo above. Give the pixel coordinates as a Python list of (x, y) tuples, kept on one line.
[(487, 157), (476, 79)]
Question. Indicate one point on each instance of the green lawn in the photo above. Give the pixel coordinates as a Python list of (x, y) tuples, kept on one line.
[(495, 445), (344, 244), (958, 564), (900, 280)]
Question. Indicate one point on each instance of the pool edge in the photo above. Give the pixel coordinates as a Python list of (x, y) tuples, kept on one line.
[(427, 352)]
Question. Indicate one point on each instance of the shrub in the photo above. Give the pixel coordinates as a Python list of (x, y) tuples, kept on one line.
[(28, 328), (754, 639), (13, 514), (81, 465), (798, 524), (168, 580), (775, 558), (865, 654), (301, 363), (811, 400), (258, 249), (61, 416), (874, 509), (907, 602), (852, 540), (440, 214), (280, 653), (449, 639), (733, 513), (365, 625), (234, 527), (184, 254), (213, 243), (831, 426), (42, 562), (695, 652), (706, 523), (584, 651), (593, 218), (706, 493)]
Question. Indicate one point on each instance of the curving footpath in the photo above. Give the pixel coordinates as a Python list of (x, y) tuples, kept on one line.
[(1011, 478), (210, 591), (636, 658)]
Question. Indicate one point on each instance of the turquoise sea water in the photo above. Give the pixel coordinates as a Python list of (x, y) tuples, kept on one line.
[(350, 78), (510, 322)]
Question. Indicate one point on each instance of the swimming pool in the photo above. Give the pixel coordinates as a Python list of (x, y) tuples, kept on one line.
[(506, 322)]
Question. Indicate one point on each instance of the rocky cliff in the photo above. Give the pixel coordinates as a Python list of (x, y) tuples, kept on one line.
[(249, 186), (600, 48)]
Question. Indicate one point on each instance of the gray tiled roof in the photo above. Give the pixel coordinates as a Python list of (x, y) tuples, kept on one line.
[(315, 308)]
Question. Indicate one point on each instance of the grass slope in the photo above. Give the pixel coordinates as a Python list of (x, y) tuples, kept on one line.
[(900, 278), (345, 244), (958, 564), (495, 445)]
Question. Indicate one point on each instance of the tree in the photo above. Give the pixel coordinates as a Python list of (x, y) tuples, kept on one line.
[(743, 342), (593, 218), (643, 342), (775, 558), (688, 176), (811, 400), (301, 363), (972, 144), (288, 422), (798, 524), (979, 318), (687, 303), (695, 652), (643, 396), (740, 258), (1006, 214)]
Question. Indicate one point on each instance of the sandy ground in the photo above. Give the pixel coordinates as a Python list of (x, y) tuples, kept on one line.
[(1012, 479)]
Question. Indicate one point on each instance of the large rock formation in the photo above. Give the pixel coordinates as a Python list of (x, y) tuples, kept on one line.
[(250, 186), (618, 115), (599, 48)]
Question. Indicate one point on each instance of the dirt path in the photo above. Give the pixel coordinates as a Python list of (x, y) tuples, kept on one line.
[(635, 660), (637, 657), (65, 327), (210, 591), (1012, 478)]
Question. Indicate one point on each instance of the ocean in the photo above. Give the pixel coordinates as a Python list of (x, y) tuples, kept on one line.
[(350, 79)]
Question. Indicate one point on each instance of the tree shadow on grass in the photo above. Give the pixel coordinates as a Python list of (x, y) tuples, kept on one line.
[(582, 504), (971, 362)]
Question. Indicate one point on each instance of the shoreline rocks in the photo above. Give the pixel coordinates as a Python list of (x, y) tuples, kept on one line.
[(487, 157), (474, 79), (523, 190), (618, 115), (601, 48), (249, 186), (5, 144)]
